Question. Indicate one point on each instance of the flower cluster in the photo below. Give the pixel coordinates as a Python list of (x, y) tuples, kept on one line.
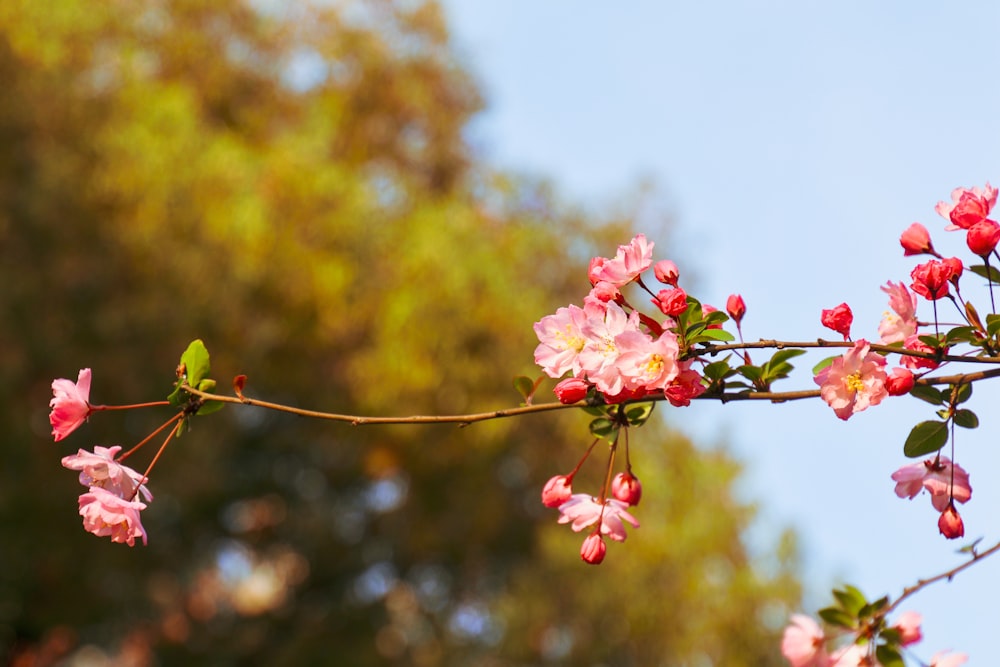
[(946, 482)]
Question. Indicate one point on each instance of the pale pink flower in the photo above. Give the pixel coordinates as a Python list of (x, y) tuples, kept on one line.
[(850, 656), (70, 404), (916, 241), (942, 659), (902, 321), (593, 549), (100, 469), (624, 267), (968, 206), (557, 490), (646, 364), (908, 625), (583, 510), (105, 514), (626, 488), (561, 340), (940, 477), (598, 359), (854, 381), (802, 643), (605, 291)]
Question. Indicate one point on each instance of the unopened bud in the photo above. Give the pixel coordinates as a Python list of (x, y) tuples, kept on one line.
[(557, 491), (593, 549)]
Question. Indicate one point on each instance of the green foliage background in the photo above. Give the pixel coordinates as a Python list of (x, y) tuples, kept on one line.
[(166, 175)]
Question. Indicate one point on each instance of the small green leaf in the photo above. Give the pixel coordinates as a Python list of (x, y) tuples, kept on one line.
[(988, 272), (752, 373), (716, 317), (838, 617), (932, 341), (524, 386), (604, 428), (930, 394), (925, 438), (712, 335), (207, 385), (963, 334), (195, 361), (888, 656), (208, 407), (718, 370), (963, 393), (824, 364), (992, 324), (638, 414), (966, 419), (851, 600)]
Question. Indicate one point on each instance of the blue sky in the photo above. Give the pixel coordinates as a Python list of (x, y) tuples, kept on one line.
[(793, 142)]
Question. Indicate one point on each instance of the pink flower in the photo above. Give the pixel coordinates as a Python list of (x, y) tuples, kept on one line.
[(561, 340), (631, 260), (916, 241), (106, 514), (899, 381), (685, 387), (915, 363), (605, 291), (645, 364), (930, 279), (598, 359), (850, 656), (671, 302), (557, 490), (967, 207), (908, 626), (838, 318), (982, 237), (70, 404), (854, 381), (666, 272), (902, 321), (940, 477), (802, 643), (736, 308), (571, 390), (941, 659), (950, 524), (626, 488), (593, 549), (583, 510), (101, 470)]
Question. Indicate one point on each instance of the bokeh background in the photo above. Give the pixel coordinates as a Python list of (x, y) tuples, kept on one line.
[(309, 189)]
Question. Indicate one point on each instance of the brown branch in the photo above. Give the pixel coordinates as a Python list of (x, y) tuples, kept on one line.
[(832, 344), (923, 583)]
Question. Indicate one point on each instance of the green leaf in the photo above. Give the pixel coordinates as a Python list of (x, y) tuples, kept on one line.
[(925, 438), (932, 341), (930, 394), (838, 617), (208, 407), (966, 419), (964, 334), (988, 272), (604, 428), (712, 335), (851, 600), (992, 324), (963, 393), (823, 364), (717, 317), (752, 373), (195, 361), (207, 385), (888, 656), (718, 370), (638, 413), (524, 386)]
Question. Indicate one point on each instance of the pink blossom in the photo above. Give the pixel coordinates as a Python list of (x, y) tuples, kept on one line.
[(666, 272), (968, 206), (839, 318), (950, 523), (571, 390), (916, 241), (557, 490), (626, 488), (631, 260), (593, 549), (942, 659), (850, 656), (902, 321), (899, 381), (915, 363), (908, 626), (685, 387), (646, 364), (736, 308), (561, 340), (671, 302), (940, 477), (854, 381), (802, 643), (598, 359), (605, 291), (70, 404), (584, 510), (930, 279), (982, 237), (99, 469), (104, 514)]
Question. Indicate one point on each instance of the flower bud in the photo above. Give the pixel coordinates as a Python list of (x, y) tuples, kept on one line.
[(671, 302), (626, 488), (839, 319), (916, 241), (557, 490), (666, 272), (593, 549), (982, 237), (605, 291), (899, 381), (571, 390), (736, 308), (908, 627), (950, 524)]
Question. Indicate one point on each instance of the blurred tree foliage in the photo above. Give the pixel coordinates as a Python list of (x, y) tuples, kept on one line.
[(290, 183)]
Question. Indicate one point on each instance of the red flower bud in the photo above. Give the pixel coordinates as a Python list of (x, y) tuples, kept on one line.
[(571, 390), (982, 237), (626, 488), (950, 524), (916, 241), (839, 319), (736, 308), (671, 302), (557, 491), (666, 272), (593, 549), (899, 382)]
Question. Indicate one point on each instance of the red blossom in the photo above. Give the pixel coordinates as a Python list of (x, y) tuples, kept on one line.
[(626, 488), (930, 279), (950, 524), (916, 241), (839, 319), (982, 237)]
